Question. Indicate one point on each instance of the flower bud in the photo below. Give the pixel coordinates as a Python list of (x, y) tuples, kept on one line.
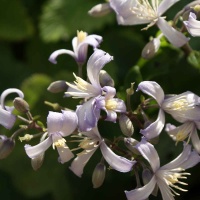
[(126, 125), (130, 91), (151, 48), (98, 175), (57, 86), (37, 162), (21, 105), (105, 79), (146, 176), (100, 10), (6, 146), (130, 144)]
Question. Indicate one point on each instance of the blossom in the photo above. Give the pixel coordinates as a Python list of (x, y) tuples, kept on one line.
[(145, 12), (183, 107), (7, 119), (96, 97), (165, 177), (59, 125), (193, 25), (80, 47), (90, 143), (184, 131)]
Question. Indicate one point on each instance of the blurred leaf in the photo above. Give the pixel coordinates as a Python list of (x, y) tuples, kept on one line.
[(194, 59), (61, 19), (15, 24)]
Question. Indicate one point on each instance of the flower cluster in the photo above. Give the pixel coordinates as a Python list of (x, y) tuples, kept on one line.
[(99, 102)]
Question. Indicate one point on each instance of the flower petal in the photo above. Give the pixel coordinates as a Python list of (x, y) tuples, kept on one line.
[(54, 122), (95, 63), (155, 128), (81, 160), (193, 25), (118, 163), (149, 153), (195, 140), (143, 192), (34, 151), (165, 5), (56, 53), (7, 119), (153, 89), (175, 37)]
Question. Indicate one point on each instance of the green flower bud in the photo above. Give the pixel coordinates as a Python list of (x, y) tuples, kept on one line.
[(126, 125), (57, 86), (98, 175), (21, 105), (105, 79)]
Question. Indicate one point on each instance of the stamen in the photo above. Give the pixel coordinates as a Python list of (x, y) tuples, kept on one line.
[(60, 143), (81, 36), (111, 104)]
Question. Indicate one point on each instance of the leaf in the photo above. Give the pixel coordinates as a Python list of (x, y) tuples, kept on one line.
[(15, 24), (61, 19), (194, 59)]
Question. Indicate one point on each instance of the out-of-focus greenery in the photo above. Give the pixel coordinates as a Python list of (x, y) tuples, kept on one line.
[(30, 31)]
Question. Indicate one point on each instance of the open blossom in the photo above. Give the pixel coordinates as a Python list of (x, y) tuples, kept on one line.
[(7, 119), (193, 25), (80, 47), (165, 177), (183, 107), (187, 130), (148, 12), (96, 97), (90, 143), (59, 125)]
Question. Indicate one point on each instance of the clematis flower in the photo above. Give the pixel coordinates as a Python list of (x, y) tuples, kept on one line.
[(193, 25), (90, 143), (165, 177), (184, 131), (183, 107), (148, 12), (80, 47), (96, 97), (7, 119), (59, 125)]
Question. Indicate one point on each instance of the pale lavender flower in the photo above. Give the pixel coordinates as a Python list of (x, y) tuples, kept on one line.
[(193, 25), (80, 47), (183, 107), (184, 131), (7, 119), (59, 125), (96, 97), (165, 177), (90, 143), (148, 12)]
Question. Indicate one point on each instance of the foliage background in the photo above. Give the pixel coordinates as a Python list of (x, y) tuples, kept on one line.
[(30, 30)]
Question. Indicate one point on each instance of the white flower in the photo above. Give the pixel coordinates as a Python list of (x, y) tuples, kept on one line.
[(90, 143), (193, 25), (7, 119), (133, 12), (59, 125), (165, 177), (183, 107)]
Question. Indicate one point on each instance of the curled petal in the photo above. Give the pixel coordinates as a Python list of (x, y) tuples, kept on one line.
[(56, 53), (7, 119), (118, 163), (81, 160), (155, 128), (143, 192), (110, 92), (165, 5), (54, 122), (95, 63), (193, 25), (149, 153), (152, 89), (175, 37), (34, 151)]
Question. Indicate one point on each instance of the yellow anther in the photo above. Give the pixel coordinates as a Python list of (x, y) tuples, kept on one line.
[(81, 36), (59, 143), (26, 137), (111, 104)]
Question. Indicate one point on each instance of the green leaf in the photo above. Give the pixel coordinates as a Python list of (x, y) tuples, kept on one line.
[(61, 19), (194, 59), (15, 24)]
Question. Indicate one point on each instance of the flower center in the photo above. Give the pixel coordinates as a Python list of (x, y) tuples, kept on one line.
[(81, 36), (178, 105), (88, 143), (111, 104), (59, 143)]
